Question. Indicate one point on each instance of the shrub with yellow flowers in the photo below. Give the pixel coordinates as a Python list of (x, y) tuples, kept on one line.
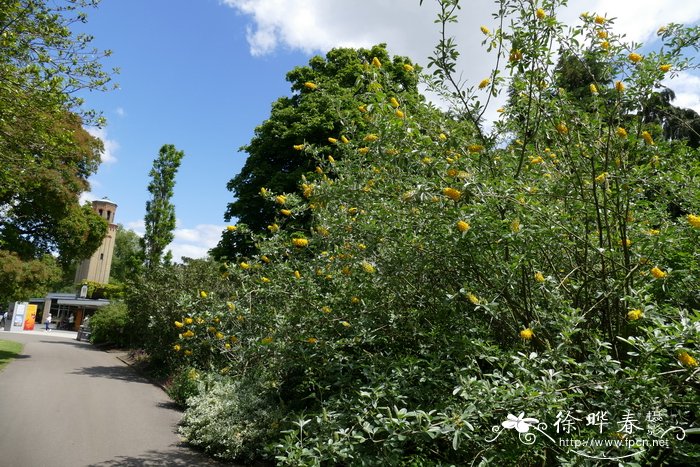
[(438, 289)]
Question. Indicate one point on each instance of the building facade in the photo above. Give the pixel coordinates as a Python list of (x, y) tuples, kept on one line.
[(97, 267)]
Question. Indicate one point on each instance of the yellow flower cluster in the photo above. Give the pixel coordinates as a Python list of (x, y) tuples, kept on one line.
[(666, 67), (619, 86), (540, 13), (485, 30), (647, 137), (484, 82), (473, 298), (299, 147), (694, 220), (376, 63), (562, 128), (300, 242), (310, 85), (658, 273), (539, 277), (593, 88), (634, 315), (635, 57), (621, 132), (371, 138), (463, 226), (527, 334), (452, 193), (231, 228), (394, 103), (687, 360)]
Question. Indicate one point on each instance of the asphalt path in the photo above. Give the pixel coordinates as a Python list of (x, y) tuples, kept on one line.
[(65, 403)]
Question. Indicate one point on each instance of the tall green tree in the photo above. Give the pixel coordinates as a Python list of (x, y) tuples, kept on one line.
[(46, 156), (160, 212), (127, 260), (276, 159)]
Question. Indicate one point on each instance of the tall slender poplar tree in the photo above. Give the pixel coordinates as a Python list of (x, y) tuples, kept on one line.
[(160, 212)]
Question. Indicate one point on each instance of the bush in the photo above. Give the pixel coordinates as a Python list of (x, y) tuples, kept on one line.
[(108, 325), (183, 384)]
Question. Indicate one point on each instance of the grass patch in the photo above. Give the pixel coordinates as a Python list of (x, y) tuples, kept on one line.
[(8, 351)]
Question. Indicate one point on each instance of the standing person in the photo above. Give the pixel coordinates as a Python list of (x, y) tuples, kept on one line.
[(3, 318), (48, 322)]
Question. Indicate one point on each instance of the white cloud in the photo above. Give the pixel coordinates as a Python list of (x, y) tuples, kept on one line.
[(195, 242), (111, 146), (316, 26), (686, 87), (120, 112)]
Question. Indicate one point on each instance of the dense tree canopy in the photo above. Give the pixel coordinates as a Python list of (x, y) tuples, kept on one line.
[(276, 159), (46, 156)]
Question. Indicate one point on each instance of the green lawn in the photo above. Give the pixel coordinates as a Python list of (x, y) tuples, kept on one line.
[(8, 351)]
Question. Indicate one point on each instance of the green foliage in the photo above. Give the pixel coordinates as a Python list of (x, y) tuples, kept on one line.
[(98, 290), (127, 261), (21, 280), (46, 156), (447, 280), (109, 325), (309, 116), (183, 384), (8, 351), (160, 212), (231, 419)]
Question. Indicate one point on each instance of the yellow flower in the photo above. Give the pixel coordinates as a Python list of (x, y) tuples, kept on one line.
[(426, 160), (187, 333), (188, 352), (593, 88), (371, 138), (326, 309), (362, 108), (310, 85), (219, 335), (653, 232), (280, 199), (178, 324), (399, 113), (687, 360), (231, 228), (176, 347), (234, 339), (540, 13), (230, 306), (599, 20), (266, 340), (473, 148), (300, 242), (344, 139), (452, 193), (203, 294), (394, 103), (227, 345), (442, 137), (605, 45), (312, 340), (244, 265), (515, 225), (407, 67), (299, 147), (297, 274), (536, 160), (263, 191), (473, 298), (647, 137), (368, 268), (484, 82), (331, 160), (485, 30), (463, 226), (265, 259), (526, 334), (601, 178), (562, 128), (658, 273), (273, 228), (666, 67), (345, 323), (265, 279), (602, 34), (694, 220), (634, 315), (332, 140), (376, 63), (634, 57), (364, 150), (361, 246), (539, 277), (188, 320), (355, 300), (621, 132), (285, 212), (619, 86)]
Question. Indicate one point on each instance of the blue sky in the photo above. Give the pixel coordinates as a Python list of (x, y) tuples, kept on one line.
[(202, 74)]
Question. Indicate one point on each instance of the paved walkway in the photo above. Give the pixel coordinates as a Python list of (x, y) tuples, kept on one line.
[(64, 403)]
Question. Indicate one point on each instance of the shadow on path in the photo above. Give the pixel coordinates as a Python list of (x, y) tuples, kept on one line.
[(164, 458), (5, 355), (119, 372)]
